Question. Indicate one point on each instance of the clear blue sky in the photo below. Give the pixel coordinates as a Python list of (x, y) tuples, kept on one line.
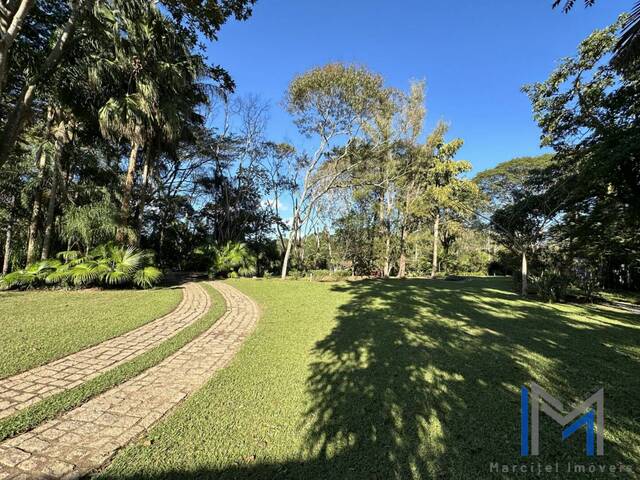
[(474, 54)]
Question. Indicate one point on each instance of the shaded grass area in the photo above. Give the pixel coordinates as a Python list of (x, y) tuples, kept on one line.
[(621, 296), (37, 327), (65, 401), (399, 379)]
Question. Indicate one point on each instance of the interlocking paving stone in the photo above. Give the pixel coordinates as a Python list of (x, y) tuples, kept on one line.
[(87, 437), (25, 389)]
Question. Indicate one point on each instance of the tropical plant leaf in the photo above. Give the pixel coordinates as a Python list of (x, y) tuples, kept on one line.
[(147, 277), (116, 277)]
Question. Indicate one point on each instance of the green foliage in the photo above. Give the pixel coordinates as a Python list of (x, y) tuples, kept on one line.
[(233, 260), (552, 284), (334, 97), (588, 112), (91, 224), (106, 265), (501, 183), (324, 275), (147, 277)]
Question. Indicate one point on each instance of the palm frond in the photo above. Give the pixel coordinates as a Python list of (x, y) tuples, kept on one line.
[(115, 277), (147, 277), (69, 255), (627, 50)]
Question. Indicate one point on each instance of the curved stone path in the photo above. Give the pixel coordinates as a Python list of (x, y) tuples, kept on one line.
[(84, 439), (27, 388)]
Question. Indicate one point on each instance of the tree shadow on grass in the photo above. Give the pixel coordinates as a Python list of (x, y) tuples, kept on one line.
[(420, 379)]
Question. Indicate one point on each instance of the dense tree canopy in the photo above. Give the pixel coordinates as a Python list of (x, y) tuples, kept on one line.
[(118, 133)]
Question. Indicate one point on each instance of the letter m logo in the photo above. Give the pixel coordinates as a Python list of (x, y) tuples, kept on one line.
[(580, 416)]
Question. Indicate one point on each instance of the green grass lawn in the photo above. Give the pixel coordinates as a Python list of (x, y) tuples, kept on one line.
[(64, 401), (39, 326), (398, 379)]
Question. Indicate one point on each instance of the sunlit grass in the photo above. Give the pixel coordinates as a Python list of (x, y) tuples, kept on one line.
[(37, 327), (396, 379), (64, 401)]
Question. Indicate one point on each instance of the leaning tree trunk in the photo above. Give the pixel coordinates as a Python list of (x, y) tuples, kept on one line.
[(127, 192), (525, 286), (436, 235), (292, 238), (20, 112), (32, 235), (13, 16), (51, 210), (285, 261)]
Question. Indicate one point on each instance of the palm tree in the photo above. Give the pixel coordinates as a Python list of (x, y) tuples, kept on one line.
[(107, 264), (628, 47), (89, 225), (156, 74), (233, 259)]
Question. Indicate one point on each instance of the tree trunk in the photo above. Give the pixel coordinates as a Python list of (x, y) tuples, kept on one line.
[(12, 18), (15, 122), (386, 207), (127, 193), (146, 173), (51, 210), (17, 118), (331, 268), (7, 243), (32, 236), (293, 235), (387, 257), (436, 239), (7, 248), (290, 241), (524, 274), (287, 254), (402, 261)]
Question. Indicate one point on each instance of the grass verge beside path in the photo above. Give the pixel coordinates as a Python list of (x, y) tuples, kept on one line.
[(37, 327), (65, 401), (397, 380)]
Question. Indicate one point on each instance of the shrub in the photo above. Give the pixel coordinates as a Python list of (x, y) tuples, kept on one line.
[(233, 260), (106, 265), (324, 275), (552, 284), (586, 279)]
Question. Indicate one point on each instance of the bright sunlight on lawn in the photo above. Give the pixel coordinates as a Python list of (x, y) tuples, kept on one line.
[(396, 379), (37, 327)]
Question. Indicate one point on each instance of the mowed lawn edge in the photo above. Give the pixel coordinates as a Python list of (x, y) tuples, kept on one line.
[(396, 379), (38, 327), (58, 404)]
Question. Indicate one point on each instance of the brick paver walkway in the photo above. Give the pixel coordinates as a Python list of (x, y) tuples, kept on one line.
[(25, 389), (86, 438)]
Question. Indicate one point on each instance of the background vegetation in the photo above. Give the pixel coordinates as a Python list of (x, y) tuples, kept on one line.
[(118, 131)]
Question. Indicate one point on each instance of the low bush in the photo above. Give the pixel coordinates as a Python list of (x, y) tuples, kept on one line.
[(552, 284), (105, 265), (324, 275), (233, 260)]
